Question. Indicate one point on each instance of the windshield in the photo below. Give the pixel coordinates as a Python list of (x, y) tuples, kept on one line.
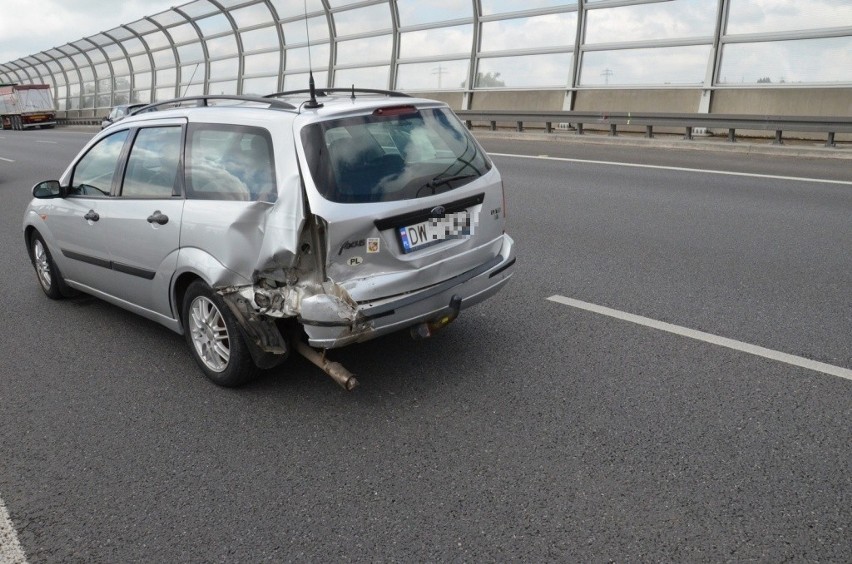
[(396, 153)]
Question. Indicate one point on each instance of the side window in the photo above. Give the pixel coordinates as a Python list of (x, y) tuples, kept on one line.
[(152, 166), (94, 172), (230, 163)]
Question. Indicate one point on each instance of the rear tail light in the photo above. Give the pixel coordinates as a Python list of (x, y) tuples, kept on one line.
[(395, 111)]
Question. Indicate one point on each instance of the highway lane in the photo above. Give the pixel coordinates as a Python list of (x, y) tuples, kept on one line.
[(528, 430)]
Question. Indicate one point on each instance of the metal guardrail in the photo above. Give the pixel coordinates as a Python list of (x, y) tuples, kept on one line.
[(79, 121), (689, 122)]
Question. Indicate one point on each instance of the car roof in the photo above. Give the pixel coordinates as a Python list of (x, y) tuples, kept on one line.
[(287, 105)]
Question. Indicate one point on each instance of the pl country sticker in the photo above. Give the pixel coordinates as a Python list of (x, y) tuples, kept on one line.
[(355, 261), (374, 245)]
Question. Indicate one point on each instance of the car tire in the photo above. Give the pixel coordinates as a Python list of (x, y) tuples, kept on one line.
[(215, 339), (49, 277)]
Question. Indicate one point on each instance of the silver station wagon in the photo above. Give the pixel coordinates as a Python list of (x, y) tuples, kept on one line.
[(262, 226)]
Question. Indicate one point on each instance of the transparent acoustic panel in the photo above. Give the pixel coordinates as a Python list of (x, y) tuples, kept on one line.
[(437, 42), (102, 70), (417, 12), (167, 18), (526, 71), (805, 61), (226, 87), (296, 32), (504, 6), (142, 80), (552, 30), (183, 33), (120, 67), (190, 53), (166, 93), (264, 63), (142, 26), (339, 3), (104, 101), (298, 59), (192, 73), (133, 46), (193, 89), (87, 74), (96, 56), (166, 77), (760, 16), (113, 51), (678, 19), (224, 46), (225, 69), (256, 14), (293, 8), (439, 75), (299, 81), (198, 8), (658, 66), (141, 97), (364, 77), (214, 25), (140, 63), (260, 39), (261, 86), (366, 50), (363, 20), (163, 58)]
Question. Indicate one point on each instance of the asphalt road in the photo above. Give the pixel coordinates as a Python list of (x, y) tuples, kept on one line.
[(528, 430)]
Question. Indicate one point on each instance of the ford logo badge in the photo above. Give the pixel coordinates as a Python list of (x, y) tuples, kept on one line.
[(437, 211)]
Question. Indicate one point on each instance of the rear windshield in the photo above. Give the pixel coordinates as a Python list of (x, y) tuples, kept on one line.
[(402, 154)]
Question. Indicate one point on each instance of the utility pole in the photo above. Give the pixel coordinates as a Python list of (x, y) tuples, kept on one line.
[(440, 71), (606, 74)]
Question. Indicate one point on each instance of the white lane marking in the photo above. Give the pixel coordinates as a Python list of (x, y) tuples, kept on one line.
[(676, 168), (10, 549), (6, 160), (50, 142), (707, 337)]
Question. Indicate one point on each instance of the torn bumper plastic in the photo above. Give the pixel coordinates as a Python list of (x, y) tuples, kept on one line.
[(330, 323)]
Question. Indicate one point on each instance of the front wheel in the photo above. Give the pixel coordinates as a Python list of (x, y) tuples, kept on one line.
[(215, 339), (46, 271)]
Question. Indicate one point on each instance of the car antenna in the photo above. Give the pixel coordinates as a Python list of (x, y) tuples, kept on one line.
[(312, 103), (185, 90)]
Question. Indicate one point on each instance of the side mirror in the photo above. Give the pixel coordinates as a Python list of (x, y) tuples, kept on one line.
[(48, 189)]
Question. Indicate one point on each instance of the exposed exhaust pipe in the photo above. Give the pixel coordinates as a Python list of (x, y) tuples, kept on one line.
[(334, 369)]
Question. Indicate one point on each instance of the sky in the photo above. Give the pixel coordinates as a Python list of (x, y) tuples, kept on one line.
[(31, 26)]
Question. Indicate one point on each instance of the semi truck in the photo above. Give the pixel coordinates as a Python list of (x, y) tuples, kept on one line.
[(23, 106)]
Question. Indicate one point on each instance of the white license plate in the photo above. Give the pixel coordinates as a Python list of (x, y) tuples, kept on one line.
[(451, 226)]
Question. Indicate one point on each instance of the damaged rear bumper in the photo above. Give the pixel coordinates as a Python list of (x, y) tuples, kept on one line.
[(327, 329)]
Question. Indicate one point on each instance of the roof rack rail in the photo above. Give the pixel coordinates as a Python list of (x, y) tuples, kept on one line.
[(203, 100), (352, 91)]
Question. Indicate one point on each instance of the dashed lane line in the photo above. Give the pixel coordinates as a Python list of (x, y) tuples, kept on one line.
[(10, 549), (6, 160), (707, 338), (675, 168)]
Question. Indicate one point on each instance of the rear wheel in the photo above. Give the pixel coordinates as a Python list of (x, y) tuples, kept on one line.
[(48, 275), (214, 337)]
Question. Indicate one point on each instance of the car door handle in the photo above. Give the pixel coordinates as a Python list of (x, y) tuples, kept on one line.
[(158, 217), (92, 216)]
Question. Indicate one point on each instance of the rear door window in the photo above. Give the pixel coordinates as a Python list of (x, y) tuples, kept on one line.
[(396, 153), (230, 162), (152, 166)]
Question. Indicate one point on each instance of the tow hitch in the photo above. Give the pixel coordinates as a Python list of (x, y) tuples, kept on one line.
[(428, 328), (334, 369)]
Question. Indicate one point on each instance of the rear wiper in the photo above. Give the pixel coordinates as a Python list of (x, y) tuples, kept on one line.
[(438, 181)]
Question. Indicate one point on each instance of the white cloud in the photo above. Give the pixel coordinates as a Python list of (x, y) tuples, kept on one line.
[(44, 24)]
